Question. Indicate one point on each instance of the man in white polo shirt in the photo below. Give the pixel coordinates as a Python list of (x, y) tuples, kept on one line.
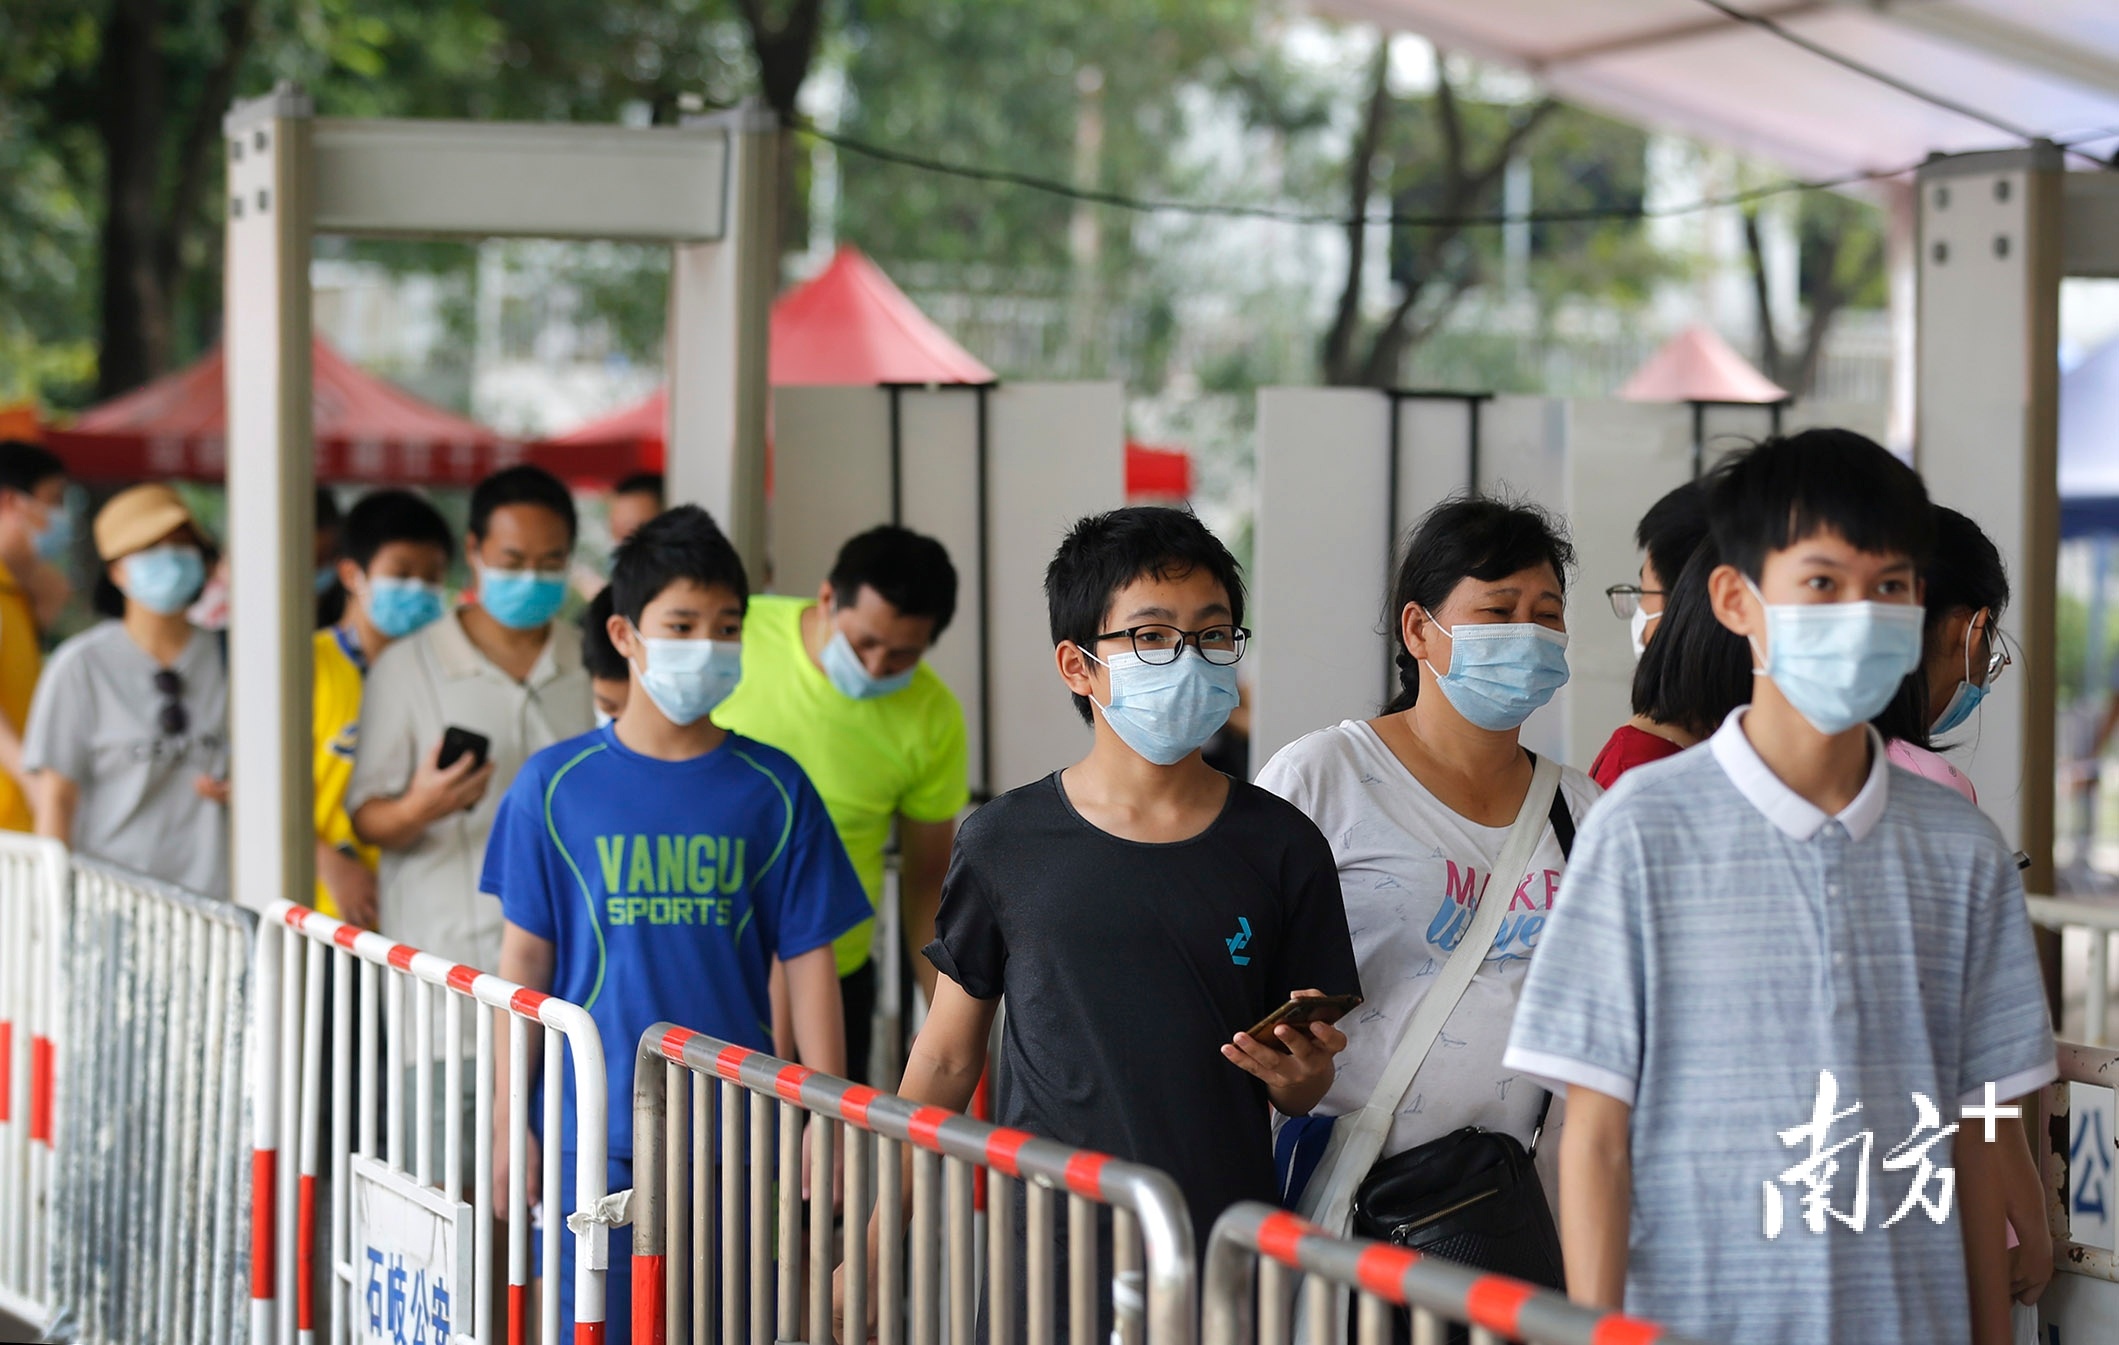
[(501, 668)]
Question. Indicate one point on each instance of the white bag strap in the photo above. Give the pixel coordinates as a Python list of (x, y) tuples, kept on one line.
[(1357, 1140)]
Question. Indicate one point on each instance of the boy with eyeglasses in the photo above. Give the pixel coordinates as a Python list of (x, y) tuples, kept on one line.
[(1783, 980), (1139, 909)]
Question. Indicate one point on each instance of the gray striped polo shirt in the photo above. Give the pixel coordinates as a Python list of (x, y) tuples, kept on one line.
[(1718, 943)]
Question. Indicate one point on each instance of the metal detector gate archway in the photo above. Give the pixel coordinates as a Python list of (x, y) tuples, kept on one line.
[(705, 188)]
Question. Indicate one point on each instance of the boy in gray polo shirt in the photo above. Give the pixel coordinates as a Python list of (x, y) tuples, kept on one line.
[(1781, 970)]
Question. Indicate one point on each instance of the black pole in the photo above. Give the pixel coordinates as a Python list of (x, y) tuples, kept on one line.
[(1699, 439), (1390, 548), (985, 606), (897, 455)]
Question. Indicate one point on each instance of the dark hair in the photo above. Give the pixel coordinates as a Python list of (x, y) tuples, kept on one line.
[(1770, 497), (520, 485), (680, 543), (598, 654), (384, 516), (910, 572), (1966, 573), (1466, 537), (1696, 670), (25, 466), (1105, 552), (640, 483), (1672, 530)]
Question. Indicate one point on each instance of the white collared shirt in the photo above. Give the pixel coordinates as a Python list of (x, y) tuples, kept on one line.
[(422, 685), (1785, 808)]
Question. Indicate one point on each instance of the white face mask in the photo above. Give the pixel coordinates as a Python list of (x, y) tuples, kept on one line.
[(1639, 626)]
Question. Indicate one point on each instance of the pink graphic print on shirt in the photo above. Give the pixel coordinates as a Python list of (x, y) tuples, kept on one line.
[(1521, 924)]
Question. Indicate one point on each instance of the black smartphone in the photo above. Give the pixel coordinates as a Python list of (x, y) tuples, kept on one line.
[(2023, 861), (457, 743), (1301, 1012)]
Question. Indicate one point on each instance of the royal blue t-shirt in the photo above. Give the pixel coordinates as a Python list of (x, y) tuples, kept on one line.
[(667, 888)]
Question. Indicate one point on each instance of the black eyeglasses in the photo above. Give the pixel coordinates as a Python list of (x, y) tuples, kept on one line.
[(173, 717), (1626, 599), (1159, 644)]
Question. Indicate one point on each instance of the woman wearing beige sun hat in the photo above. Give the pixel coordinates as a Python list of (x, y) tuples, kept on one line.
[(127, 739)]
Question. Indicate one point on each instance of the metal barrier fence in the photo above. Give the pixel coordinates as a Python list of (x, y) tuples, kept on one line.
[(2100, 923), (2083, 1064), (149, 1211), (398, 1262), (1256, 1250), (33, 888), (753, 1253)]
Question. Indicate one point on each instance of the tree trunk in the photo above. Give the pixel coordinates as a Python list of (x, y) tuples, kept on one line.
[(1341, 366), (1768, 335), (136, 318)]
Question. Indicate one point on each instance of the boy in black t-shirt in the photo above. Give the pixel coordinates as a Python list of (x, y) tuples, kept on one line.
[(1139, 908)]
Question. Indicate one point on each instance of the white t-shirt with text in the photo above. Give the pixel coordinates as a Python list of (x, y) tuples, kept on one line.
[(1413, 872)]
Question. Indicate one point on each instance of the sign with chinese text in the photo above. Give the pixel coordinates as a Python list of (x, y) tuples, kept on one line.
[(412, 1281)]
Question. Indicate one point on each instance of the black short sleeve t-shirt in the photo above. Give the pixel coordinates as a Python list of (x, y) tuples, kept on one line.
[(1126, 966)]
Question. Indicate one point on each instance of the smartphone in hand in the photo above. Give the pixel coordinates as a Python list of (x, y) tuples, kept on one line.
[(1301, 1012), (457, 743)]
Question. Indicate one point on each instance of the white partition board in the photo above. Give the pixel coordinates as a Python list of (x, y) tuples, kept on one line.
[(1621, 457), (1053, 453), (1321, 550), (1059, 454)]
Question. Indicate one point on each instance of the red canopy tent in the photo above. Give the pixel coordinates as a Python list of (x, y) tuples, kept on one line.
[(848, 326), (366, 430), (1697, 365)]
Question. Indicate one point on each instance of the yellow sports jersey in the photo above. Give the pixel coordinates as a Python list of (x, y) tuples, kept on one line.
[(338, 729), (21, 663)]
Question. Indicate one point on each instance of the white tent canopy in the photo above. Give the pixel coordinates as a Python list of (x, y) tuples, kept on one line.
[(2048, 67)]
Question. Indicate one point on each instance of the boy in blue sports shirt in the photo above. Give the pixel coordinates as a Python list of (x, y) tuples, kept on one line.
[(655, 868), (1783, 979)]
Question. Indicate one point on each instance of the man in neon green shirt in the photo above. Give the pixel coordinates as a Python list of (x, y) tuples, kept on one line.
[(837, 684)]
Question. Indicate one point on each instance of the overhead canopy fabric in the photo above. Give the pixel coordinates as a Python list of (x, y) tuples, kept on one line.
[(1697, 365), (366, 430), (850, 326), (2089, 445), (2050, 67)]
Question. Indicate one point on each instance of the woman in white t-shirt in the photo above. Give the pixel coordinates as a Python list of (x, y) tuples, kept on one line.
[(1417, 804)]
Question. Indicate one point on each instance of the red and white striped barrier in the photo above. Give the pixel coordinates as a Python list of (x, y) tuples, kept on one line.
[(1256, 1251), (760, 1288), (381, 1029), (33, 889)]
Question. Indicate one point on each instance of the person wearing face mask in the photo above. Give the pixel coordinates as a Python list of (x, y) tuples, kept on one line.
[(1963, 651), (1138, 909), (656, 867), (395, 550), (839, 683), (1761, 935), (35, 531), (500, 667), (1421, 804), (126, 747), (610, 678), (1669, 535)]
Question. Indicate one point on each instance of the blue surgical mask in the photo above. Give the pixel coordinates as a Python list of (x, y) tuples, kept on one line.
[(399, 607), (1501, 673), (1960, 708), (1839, 663), (687, 679), (852, 678), (1167, 711), (1968, 695), (164, 579), (521, 599), (57, 539)]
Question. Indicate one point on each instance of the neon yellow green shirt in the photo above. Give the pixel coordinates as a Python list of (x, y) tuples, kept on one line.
[(871, 760)]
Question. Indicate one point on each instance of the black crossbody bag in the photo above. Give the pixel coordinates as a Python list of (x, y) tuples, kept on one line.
[(1471, 1196)]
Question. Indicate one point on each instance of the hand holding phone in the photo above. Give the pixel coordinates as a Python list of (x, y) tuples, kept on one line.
[(1299, 1012), (457, 743)]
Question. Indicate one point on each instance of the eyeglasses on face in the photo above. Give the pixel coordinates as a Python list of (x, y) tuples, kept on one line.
[(1159, 644), (1626, 599)]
